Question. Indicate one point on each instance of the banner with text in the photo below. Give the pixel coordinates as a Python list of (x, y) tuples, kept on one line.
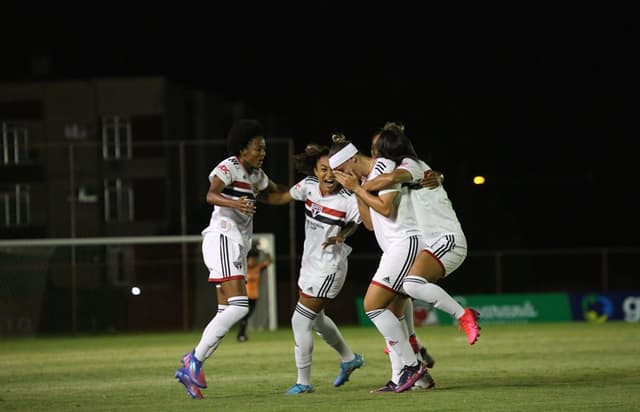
[(602, 307)]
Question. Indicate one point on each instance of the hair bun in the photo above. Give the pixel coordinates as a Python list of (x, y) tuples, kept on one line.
[(338, 138), (394, 126)]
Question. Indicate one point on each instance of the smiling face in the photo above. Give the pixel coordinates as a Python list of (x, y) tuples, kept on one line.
[(253, 155), (326, 179)]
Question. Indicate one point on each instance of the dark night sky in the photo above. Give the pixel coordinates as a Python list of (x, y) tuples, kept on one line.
[(536, 98)]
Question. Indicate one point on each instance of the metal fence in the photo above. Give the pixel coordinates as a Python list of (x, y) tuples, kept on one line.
[(87, 285), (77, 276)]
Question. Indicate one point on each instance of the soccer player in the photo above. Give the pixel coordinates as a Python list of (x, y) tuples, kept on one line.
[(234, 184), (441, 229), (331, 215), (390, 216)]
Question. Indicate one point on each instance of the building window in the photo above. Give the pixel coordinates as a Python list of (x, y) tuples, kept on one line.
[(13, 143), (116, 137), (15, 205), (118, 201)]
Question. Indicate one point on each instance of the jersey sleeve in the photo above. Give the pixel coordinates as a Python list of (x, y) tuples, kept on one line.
[(224, 171), (383, 166), (416, 169), (263, 181), (298, 191), (353, 213)]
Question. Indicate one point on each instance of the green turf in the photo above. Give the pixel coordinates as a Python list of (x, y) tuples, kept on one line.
[(537, 367)]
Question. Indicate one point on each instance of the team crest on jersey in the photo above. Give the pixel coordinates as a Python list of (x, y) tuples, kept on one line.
[(315, 209)]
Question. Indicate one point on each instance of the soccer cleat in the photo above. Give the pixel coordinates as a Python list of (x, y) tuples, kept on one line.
[(390, 387), (427, 358), (469, 323), (419, 349), (298, 389), (424, 383), (194, 367), (182, 375), (242, 338), (409, 376), (346, 368)]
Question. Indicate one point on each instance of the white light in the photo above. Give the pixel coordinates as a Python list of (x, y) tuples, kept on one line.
[(135, 291)]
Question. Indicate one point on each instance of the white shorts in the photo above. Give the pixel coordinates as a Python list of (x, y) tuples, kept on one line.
[(325, 283), (395, 263), (225, 258), (450, 250)]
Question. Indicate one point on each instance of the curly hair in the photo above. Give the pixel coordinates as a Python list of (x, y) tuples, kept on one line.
[(241, 133), (306, 161)]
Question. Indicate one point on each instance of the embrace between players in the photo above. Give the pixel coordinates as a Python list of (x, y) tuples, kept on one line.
[(392, 193)]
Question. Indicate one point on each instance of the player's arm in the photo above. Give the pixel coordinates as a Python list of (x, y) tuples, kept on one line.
[(275, 194), (387, 179), (432, 179), (365, 214), (383, 204), (348, 230), (214, 197)]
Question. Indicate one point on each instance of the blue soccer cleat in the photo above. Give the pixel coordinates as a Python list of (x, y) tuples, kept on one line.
[(194, 367), (182, 375), (346, 368), (298, 389)]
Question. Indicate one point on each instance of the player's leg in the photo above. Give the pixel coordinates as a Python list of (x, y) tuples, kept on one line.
[(427, 269), (302, 320)]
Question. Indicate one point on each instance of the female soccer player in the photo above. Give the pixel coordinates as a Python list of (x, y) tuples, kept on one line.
[(441, 229), (390, 216), (331, 216), (234, 184)]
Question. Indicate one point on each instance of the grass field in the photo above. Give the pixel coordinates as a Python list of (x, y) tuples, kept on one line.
[(537, 367)]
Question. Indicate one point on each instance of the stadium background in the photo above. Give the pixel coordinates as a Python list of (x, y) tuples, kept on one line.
[(536, 100)]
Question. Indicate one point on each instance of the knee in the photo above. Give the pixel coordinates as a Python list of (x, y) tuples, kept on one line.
[(412, 284)]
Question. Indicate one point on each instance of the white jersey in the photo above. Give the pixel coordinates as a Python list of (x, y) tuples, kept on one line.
[(403, 224), (238, 182), (325, 217), (433, 210)]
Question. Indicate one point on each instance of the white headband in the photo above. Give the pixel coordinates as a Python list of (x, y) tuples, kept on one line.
[(342, 155)]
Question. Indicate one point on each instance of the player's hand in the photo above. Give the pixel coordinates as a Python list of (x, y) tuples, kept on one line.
[(333, 240), (246, 205), (432, 179), (348, 181)]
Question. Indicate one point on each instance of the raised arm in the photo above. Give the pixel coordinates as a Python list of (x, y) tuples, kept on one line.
[(384, 204), (387, 179)]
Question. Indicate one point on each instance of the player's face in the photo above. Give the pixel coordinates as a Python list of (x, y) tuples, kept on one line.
[(326, 179), (253, 155), (348, 167)]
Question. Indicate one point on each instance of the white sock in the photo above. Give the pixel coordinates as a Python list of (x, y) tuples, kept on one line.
[(396, 365), (408, 317), (301, 322), (237, 308), (329, 332), (390, 328), (418, 288)]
